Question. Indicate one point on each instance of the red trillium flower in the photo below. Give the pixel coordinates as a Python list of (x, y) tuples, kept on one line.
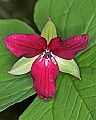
[(45, 68)]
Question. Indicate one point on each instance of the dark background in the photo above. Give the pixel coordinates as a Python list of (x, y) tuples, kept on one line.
[(22, 10), (18, 9)]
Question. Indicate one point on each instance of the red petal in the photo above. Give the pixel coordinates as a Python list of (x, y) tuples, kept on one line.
[(27, 45), (67, 49), (44, 77)]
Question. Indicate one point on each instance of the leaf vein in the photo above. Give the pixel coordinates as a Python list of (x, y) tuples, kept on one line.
[(82, 99), (73, 106), (87, 87), (67, 98)]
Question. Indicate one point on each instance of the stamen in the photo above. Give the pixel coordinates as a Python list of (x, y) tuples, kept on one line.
[(46, 62), (41, 57), (53, 60), (43, 54), (52, 54)]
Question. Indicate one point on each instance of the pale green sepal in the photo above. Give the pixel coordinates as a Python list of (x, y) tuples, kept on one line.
[(49, 31), (68, 66), (22, 66)]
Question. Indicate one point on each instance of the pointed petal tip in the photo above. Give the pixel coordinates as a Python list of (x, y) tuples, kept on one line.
[(85, 37), (45, 99), (12, 73), (79, 77), (40, 96), (49, 18), (9, 72)]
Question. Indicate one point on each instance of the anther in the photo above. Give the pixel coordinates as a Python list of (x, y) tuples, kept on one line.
[(41, 57)]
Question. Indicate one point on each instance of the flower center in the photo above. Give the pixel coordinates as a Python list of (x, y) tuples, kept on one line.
[(48, 55)]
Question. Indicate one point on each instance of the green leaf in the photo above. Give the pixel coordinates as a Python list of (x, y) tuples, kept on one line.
[(38, 110), (13, 89), (73, 100), (78, 100), (22, 66), (68, 66), (49, 30)]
